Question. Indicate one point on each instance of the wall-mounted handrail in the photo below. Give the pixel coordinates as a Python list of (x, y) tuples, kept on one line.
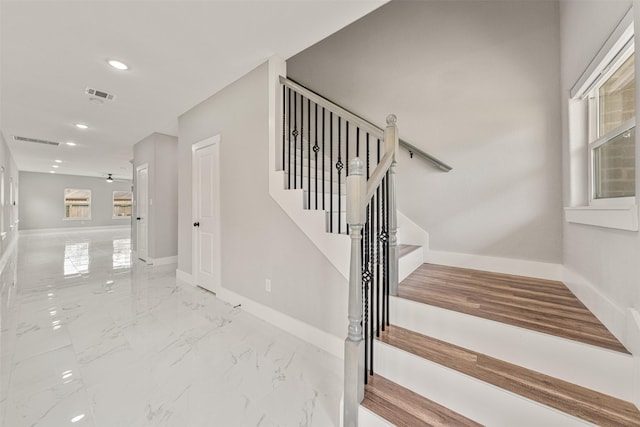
[(359, 121)]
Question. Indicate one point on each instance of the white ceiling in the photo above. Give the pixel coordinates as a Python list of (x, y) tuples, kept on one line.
[(179, 53)]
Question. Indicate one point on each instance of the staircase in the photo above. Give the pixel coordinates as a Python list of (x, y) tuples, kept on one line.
[(497, 350), (449, 346)]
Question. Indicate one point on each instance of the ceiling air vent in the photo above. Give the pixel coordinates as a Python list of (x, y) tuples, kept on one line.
[(37, 141), (99, 94)]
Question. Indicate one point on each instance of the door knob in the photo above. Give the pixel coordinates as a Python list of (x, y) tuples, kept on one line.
[(196, 224)]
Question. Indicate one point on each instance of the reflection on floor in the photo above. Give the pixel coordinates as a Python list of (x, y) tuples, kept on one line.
[(91, 339)]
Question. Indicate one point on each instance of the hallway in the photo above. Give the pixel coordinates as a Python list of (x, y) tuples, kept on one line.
[(91, 339)]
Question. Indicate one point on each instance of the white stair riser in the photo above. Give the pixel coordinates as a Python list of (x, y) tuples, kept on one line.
[(409, 263), (366, 418), (472, 398), (589, 366)]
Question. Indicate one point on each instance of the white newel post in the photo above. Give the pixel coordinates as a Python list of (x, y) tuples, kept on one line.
[(391, 141), (354, 345)]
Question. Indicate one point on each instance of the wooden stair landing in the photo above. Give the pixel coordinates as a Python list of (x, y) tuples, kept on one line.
[(541, 305), (572, 399)]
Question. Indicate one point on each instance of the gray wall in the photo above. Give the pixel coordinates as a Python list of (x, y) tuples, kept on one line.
[(258, 240), (609, 259), (7, 278), (476, 84), (160, 152), (42, 200)]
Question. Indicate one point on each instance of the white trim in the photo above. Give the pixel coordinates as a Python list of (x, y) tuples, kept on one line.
[(607, 53), (619, 217), (184, 277), (321, 339), (74, 229), (163, 261), (518, 267), (136, 204), (599, 304), (215, 142), (636, 382)]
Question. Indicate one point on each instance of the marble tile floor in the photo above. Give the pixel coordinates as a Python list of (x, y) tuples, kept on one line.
[(89, 338)]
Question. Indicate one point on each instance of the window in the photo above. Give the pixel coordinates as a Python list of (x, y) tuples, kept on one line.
[(612, 131), (77, 203), (602, 129), (121, 204)]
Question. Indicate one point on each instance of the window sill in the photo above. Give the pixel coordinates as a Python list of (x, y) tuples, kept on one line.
[(618, 217)]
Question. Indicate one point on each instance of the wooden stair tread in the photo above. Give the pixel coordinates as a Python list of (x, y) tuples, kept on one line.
[(405, 408), (545, 306), (570, 398), (406, 249)]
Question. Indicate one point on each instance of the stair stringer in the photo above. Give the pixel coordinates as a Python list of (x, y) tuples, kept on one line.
[(335, 247)]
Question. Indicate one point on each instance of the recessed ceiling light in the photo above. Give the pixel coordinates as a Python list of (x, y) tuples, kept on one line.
[(71, 144), (58, 161), (52, 171), (118, 65), (81, 126), (55, 166)]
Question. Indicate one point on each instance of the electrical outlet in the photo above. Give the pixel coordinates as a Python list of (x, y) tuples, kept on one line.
[(267, 285)]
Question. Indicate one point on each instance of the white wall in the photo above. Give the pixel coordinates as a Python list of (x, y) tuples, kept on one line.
[(258, 240), (160, 153), (41, 201), (602, 264), (474, 83)]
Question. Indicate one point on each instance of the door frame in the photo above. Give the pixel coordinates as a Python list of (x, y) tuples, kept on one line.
[(217, 262), (139, 168)]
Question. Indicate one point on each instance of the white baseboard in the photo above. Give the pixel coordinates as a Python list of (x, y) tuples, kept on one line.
[(163, 261), (74, 229), (636, 382), (184, 277), (599, 304), (517, 267), (321, 339)]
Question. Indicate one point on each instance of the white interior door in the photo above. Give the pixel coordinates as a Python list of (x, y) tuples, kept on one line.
[(142, 211), (206, 196)]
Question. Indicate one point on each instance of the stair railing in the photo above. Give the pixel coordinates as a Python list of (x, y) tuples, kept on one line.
[(373, 274), (359, 198)]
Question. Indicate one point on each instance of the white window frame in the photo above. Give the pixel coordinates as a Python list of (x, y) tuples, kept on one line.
[(595, 139), (64, 202), (113, 204), (620, 212)]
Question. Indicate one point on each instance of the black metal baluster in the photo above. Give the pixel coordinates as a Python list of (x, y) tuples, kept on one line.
[(331, 172), (372, 260), (284, 122), (302, 142), (378, 260), (339, 166), (365, 284), (295, 137), (323, 156), (315, 150), (347, 149), (387, 242), (357, 142), (368, 157), (289, 152), (383, 245), (309, 153)]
